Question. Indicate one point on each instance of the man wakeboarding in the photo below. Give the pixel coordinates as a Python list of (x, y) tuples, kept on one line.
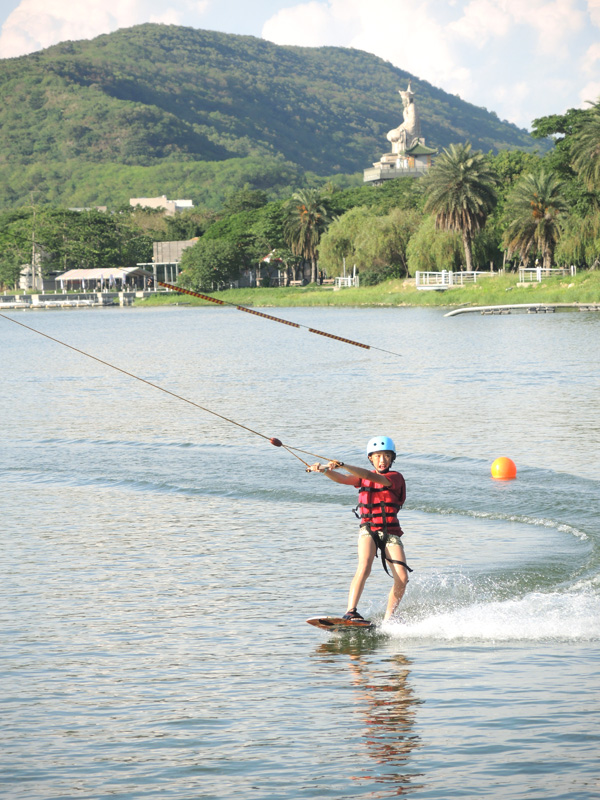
[(381, 494)]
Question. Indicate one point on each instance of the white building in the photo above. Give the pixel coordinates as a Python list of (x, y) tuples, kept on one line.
[(166, 257), (171, 207)]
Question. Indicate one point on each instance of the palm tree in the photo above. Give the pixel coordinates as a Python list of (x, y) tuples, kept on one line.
[(585, 149), (460, 193), (533, 210), (306, 219)]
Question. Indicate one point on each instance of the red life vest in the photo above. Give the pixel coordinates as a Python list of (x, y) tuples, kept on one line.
[(378, 505)]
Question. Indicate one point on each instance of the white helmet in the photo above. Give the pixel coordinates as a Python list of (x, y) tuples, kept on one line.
[(378, 443)]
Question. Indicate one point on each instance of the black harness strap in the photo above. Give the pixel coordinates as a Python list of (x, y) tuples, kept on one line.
[(381, 544), (378, 505)]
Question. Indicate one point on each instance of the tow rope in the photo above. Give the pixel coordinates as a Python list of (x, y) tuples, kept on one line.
[(272, 439), (220, 302)]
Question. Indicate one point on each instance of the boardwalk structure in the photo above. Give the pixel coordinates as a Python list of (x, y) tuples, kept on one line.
[(527, 308)]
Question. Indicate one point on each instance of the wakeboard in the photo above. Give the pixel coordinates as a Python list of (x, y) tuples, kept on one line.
[(339, 624)]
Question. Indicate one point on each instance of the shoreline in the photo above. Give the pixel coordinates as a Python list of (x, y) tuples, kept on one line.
[(497, 291), (26, 302)]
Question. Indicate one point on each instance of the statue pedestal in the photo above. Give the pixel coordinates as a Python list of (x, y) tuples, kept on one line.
[(392, 161), (386, 158)]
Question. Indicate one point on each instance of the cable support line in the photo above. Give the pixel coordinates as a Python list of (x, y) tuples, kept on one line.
[(225, 303), (220, 302), (341, 339), (272, 439)]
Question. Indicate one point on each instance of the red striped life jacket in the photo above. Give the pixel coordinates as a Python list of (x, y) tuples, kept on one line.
[(378, 505)]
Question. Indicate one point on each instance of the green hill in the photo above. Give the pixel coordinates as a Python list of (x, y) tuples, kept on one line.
[(158, 109)]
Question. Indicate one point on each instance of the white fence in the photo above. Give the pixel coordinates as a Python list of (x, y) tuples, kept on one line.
[(340, 283), (446, 279), (537, 274)]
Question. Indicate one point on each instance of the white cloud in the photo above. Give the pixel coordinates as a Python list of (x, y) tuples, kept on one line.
[(550, 24), (410, 35), (481, 20), (414, 37), (589, 61), (556, 23), (594, 11), (514, 51), (311, 24), (36, 24), (589, 94)]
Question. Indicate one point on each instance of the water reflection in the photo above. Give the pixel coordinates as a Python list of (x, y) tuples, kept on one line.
[(388, 708)]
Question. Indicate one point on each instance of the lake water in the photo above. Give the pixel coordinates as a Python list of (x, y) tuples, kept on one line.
[(158, 563)]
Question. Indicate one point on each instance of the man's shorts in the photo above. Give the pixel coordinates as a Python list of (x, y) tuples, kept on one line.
[(392, 538)]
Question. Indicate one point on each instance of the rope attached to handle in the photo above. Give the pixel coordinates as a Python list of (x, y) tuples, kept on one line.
[(272, 439)]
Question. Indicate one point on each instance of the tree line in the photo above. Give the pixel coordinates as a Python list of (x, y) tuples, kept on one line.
[(471, 211)]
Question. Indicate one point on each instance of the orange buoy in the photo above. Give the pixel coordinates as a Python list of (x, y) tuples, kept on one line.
[(504, 469)]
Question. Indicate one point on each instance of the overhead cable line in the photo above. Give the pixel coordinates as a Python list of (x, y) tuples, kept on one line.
[(220, 302), (272, 439)]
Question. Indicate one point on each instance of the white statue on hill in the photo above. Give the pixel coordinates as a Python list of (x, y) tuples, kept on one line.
[(407, 134)]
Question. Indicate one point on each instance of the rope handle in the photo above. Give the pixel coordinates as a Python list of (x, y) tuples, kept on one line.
[(334, 464)]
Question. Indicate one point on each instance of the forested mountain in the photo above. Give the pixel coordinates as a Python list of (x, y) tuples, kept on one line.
[(158, 109)]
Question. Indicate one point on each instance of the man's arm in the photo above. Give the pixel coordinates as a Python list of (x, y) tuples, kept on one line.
[(368, 475), (330, 471), (355, 472)]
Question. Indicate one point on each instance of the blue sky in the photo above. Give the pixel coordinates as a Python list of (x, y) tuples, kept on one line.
[(520, 58)]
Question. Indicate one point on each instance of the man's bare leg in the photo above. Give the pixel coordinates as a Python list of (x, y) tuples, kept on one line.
[(366, 554), (400, 576)]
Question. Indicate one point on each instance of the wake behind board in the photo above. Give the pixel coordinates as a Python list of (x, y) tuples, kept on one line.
[(339, 624)]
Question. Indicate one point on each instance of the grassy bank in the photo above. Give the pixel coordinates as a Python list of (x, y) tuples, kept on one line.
[(489, 291)]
